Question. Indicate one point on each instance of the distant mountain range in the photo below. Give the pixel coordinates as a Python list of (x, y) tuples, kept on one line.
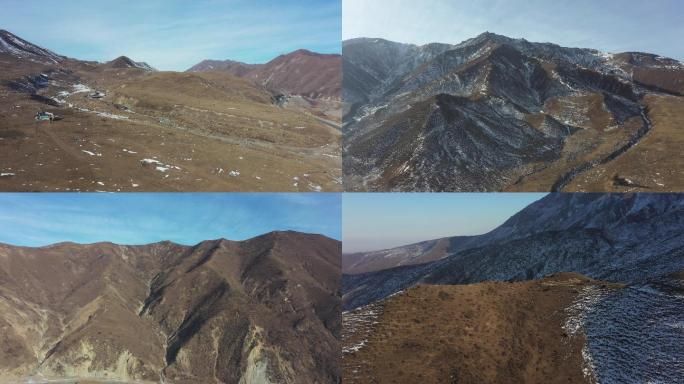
[(614, 237), (264, 310), (495, 113), (301, 72)]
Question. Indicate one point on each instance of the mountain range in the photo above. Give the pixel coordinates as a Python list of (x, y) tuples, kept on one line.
[(123, 126), (576, 287), (263, 310), (624, 238), (495, 113), (304, 73)]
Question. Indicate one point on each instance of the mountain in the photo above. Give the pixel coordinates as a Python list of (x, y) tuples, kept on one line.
[(495, 113), (123, 126), (125, 62), (20, 48), (302, 72), (582, 288), (564, 328), (625, 238), (264, 310), (419, 253), (484, 332), (235, 68)]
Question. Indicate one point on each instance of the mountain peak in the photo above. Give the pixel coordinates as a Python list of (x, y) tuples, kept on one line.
[(126, 62), (20, 48)]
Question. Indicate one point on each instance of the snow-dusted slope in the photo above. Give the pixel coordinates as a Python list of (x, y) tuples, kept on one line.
[(22, 49), (486, 113), (614, 237)]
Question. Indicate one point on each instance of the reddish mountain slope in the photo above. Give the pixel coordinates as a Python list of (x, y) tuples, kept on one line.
[(302, 72)]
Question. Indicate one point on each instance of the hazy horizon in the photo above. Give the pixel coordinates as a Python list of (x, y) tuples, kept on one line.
[(35, 219), (631, 25), (174, 34), (376, 221)]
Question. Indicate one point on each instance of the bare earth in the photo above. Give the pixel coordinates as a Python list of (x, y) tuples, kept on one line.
[(493, 332)]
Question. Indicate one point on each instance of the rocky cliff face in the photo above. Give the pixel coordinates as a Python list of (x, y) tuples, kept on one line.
[(265, 310), (492, 113)]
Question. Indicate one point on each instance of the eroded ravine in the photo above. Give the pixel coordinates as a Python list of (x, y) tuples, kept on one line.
[(565, 179)]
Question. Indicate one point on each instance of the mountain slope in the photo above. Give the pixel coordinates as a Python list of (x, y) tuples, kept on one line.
[(562, 328), (494, 332), (122, 126), (613, 237), (221, 310), (20, 48), (495, 113), (235, 68), (302, 72), (125, 62)]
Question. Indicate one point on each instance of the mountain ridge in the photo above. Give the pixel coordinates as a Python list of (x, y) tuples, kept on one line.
[(166, 312), (317, 74), (613, 237), (429, 117)]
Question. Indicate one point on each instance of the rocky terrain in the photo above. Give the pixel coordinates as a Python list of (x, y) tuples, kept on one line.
[(514, 304), (122, 126), (565, 328), (264, 310), (495, 113)]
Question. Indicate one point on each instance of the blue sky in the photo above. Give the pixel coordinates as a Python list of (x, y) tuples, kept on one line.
[(176, 34), (385, 220), (140, 218), (655, 26)]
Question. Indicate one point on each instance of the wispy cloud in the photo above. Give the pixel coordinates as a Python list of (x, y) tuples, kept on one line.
[(175, 34)]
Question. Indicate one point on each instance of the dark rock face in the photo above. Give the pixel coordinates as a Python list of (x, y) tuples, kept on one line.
[(466, 117), (265, 310), (613, 237)]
